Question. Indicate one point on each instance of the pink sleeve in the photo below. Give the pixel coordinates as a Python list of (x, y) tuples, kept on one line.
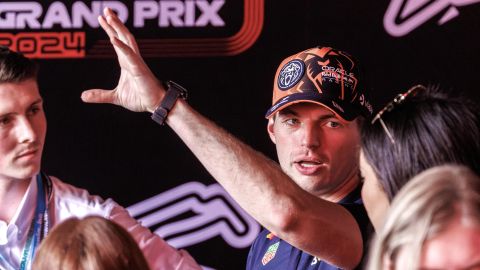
[(158, 253)]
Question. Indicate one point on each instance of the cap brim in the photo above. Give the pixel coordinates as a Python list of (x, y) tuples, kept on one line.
[(311, 98)]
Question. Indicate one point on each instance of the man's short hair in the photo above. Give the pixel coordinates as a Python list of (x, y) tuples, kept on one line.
[(14, 67)]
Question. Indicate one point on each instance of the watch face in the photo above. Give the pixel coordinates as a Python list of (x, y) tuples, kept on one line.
[(175, 86)]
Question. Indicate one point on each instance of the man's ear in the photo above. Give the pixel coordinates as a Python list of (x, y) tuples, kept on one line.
[(271, 129)]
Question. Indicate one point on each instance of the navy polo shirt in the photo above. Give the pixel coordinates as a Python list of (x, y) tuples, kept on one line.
[(269, 252)]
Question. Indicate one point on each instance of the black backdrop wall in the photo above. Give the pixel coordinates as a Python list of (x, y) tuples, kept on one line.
[(126, 156)]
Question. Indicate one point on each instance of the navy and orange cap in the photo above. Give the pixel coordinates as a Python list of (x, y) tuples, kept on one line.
[(324, 76)]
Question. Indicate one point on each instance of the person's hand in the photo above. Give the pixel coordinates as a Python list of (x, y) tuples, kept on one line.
[(138, 89)]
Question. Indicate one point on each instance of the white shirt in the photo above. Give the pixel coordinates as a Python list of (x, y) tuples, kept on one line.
[(69, 201)]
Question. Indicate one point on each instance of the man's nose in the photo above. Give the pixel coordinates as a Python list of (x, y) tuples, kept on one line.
[(311, 136), (25, 131)]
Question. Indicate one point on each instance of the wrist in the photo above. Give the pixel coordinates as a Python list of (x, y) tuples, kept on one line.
[(161, 89), (167, 101)]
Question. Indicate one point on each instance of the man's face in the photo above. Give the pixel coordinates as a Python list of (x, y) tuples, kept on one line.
[(315, 148), (22, 130)]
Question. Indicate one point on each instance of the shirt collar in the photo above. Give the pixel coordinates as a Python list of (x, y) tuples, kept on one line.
[(22, 218)]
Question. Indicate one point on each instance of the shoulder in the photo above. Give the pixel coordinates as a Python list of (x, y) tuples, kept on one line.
[(68, 200), (359, 213), (354, 204)]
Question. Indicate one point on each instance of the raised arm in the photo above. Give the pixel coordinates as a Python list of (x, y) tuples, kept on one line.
[(319, 227)]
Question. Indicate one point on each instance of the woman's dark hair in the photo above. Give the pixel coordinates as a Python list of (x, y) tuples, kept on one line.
[(429, 128)]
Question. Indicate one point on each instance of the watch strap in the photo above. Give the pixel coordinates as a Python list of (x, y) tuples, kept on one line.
[(174, 91)]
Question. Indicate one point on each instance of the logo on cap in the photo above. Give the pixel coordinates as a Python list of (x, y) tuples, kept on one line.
[(290, 74)]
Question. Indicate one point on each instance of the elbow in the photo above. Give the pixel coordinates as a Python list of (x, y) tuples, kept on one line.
[(285, 219)]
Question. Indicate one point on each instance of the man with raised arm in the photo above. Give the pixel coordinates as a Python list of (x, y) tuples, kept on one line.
[(315, 219)]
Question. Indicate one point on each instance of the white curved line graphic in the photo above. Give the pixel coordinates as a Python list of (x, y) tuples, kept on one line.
[(210, 218), (422, 15)]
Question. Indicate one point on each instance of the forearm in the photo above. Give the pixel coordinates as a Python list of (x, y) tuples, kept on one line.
[(249, 177)]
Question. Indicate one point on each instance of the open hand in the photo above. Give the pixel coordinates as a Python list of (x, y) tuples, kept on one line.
[(138, 89)]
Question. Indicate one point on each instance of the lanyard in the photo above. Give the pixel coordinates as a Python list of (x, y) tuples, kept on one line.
[(39, 226)]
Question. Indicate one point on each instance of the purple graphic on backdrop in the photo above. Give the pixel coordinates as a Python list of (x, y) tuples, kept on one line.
[(76, 15), (403, 16), (212, 213)]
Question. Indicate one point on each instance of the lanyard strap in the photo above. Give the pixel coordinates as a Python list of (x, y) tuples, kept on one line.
[(39, 227)]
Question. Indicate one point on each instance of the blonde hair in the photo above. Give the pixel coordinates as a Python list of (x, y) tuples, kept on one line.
[(92, 243), (421, 210)]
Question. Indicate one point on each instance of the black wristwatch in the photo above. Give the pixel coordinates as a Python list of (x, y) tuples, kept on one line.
[(174, 91)]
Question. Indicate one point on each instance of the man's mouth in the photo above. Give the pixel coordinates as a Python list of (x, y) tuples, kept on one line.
[(30, 153), (309, 167), (308, 163)]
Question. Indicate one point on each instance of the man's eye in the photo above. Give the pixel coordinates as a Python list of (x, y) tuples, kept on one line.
[(333, 124), (34, 110), (5, 121), (291, 121)]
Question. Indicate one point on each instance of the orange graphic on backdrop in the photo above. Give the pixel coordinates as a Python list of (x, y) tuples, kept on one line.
[(46, 44), (233, 45)]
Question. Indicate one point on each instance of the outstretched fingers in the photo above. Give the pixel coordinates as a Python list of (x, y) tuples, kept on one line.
[(122, 32), (106, 26), (129, 59), (137, 88)]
